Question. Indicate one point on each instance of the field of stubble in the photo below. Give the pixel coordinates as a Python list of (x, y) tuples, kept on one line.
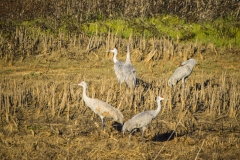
[(43, 115)]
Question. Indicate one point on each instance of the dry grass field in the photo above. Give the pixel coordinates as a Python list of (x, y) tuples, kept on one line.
[(43, 115)]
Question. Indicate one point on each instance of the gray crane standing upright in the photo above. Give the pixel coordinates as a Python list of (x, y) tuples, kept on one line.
[(182, 72), (118, 66), (129, 71), (100, 107), (142, 119)]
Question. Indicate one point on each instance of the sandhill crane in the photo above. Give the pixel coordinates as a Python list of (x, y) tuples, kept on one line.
[(129, 71), (118, 66), (182, 72), (100, 107), (142, 119)]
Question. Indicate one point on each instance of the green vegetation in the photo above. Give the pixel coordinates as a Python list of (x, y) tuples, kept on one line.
[(221, 32), (215, 22), (34, 127)]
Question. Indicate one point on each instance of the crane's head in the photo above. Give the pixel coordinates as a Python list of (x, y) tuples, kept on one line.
[(160, 98), (118, 116), (125, 127), (183, 63), (170, 82), (83, 84), (114, 50), (120, 119)]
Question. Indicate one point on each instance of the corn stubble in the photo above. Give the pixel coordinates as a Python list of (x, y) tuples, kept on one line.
[(43, 114), (54, 108)]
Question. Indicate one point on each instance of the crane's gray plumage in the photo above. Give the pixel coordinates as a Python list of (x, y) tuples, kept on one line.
[(118, 67), (142, 119), (101, 108), (129, 71), (182, 72)]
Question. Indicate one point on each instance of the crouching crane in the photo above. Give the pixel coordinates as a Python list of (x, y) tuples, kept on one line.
[(182, 72), (142, 119), (100, 107)]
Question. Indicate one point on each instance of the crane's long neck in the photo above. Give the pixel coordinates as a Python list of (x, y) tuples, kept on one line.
[(85, 97), (115, 57), (158, 109), (128, 56)]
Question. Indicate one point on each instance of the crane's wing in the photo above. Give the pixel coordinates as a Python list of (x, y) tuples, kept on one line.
[(101, 108), (118, 69), (140, 120), (180, 72), (130, 75)]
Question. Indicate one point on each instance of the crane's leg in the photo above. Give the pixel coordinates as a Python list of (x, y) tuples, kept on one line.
[(93, 114), (131, 133), (120, 84), (129, 138), (103, 125), (143, 129), (183, 81), (173, 86)]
